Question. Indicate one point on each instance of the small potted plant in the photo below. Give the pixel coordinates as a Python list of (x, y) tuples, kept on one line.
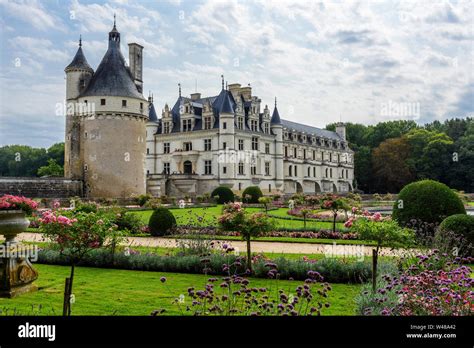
[(13, 211)]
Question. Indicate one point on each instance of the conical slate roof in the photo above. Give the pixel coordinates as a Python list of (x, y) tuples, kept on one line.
[(224, 103), (113, 77), (275, 117), (152, 117), (79, 61)]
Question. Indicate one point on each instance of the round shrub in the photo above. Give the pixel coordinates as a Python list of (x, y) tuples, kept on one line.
[(428, 201), (225, 194), (461, 225), (161, 222), (251, 194)]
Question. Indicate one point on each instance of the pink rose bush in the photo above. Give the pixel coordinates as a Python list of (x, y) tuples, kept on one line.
[(10, 202), (235, 218), (75, 234)]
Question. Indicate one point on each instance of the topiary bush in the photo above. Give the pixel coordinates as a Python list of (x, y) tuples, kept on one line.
[(426, 200), (161, 222), (251, 194), (457, 230), (223, 194)]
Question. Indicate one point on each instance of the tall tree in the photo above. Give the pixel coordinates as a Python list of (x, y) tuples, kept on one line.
[(390, 168)]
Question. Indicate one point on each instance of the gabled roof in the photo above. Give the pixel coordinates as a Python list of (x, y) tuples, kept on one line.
[(79, 61), (310, 130)]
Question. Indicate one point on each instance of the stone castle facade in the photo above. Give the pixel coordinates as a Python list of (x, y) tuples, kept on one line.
[(121, 148)]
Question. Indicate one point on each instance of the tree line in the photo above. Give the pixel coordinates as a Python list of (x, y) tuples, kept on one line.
[(391, 154), (24, 160)]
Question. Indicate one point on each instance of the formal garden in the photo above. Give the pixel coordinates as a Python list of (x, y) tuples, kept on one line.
[(223, 254)]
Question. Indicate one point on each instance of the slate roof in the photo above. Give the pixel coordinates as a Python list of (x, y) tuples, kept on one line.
[(152, 117), (310, 130), (112, 77), (79, 62), (275, 117), (224, 103)]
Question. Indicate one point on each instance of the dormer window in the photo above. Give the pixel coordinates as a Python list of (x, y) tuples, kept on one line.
[(254, 125), (166, 127), (207, 123), (240, 123), (187, 125), (266, 128)]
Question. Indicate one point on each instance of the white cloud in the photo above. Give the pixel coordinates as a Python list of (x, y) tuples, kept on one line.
[(32, 12), (322, 60), (41, 49)]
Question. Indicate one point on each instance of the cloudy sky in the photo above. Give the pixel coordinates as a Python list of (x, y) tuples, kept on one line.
[(358, 61)]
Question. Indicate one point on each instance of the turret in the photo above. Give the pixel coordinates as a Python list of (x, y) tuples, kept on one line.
[(152, 126), (277, 129), (78, 74)]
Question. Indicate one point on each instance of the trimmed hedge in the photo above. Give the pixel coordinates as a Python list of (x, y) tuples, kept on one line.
[(460, 224), (254, 192), (225, 194), (333, 270), (161, 222), (426, 200)]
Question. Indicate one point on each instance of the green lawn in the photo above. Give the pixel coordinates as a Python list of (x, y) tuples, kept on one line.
[(208, 217), (119, 292)]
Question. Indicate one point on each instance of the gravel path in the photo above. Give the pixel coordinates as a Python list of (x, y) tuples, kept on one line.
[(257, 246)]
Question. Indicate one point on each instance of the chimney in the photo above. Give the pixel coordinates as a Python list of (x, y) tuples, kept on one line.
[(195, 96), (234, 88), (341, 130), (135, 55), (246, 92)]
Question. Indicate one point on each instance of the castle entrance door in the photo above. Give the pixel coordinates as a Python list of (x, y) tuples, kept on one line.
[(187, 167)]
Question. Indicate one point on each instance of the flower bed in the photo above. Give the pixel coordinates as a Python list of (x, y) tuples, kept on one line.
[(332, 269), (431, 286), (316, 234)]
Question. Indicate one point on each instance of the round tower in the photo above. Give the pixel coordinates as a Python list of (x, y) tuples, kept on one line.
[(112, 141)]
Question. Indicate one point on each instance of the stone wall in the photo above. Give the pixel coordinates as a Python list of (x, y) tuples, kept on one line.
[(41, 187)]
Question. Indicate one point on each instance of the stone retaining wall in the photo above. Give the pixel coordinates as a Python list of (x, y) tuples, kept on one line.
[(41, 187)]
